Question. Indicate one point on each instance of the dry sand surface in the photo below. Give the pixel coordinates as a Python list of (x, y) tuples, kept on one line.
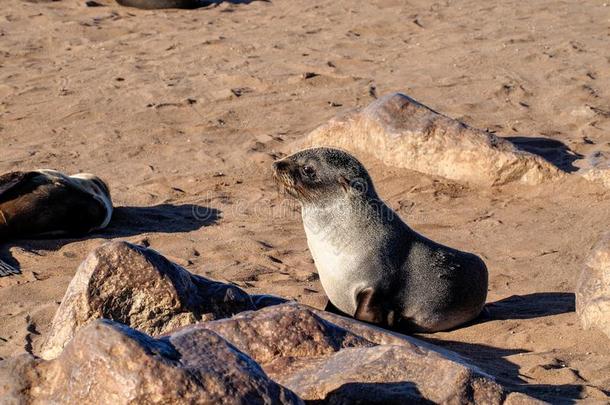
[(182, 112)]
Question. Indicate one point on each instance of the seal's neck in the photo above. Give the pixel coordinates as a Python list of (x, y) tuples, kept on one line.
[(348, 221)]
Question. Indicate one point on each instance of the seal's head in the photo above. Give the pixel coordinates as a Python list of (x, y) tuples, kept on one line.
[(99, 189), (318, 174), (87, 182), (93, 184)]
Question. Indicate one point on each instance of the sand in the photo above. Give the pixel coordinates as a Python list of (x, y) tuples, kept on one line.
[(182, 112)]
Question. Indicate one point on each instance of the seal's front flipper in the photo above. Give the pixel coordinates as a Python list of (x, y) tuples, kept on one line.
[(7, 270), (13, 180), (369, 307)]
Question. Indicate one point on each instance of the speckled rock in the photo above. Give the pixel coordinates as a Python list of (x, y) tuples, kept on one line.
[(401, 132), (597, 168), (109, 363), (593, 289), (598, 175), (326, 363), (250, 357), (142, 289)]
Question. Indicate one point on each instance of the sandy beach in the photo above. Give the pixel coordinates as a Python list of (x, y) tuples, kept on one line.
[(182, 112)]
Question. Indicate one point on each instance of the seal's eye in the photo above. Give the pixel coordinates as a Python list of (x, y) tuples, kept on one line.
[(308, 171)]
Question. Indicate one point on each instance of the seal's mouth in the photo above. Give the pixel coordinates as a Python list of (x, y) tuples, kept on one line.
[(286, 181)]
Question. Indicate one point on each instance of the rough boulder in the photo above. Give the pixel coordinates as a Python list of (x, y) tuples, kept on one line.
[(401, 132)]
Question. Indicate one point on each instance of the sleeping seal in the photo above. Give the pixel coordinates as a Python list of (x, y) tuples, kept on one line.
[(372, 266), (46, 203)]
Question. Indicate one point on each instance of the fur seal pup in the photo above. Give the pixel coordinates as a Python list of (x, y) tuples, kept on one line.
[(159, 4), (46, 202), (371, 264)]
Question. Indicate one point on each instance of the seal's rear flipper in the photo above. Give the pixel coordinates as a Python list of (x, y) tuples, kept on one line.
[(7, 270), (370, 308)]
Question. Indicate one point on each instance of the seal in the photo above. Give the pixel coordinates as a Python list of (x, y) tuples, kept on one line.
[(159, 4), (371, 264), (44, 203)]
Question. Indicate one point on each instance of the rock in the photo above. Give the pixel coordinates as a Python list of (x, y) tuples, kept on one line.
[(325, 363), (386, 375), (401, 132), (597, 168), (593, 289), (518, 398), (601, 176), (107, 362), (281, 331), (139, 288), (247, 358)]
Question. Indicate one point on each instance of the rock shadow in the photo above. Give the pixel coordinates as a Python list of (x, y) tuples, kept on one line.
[(393, 393), (492, 361), (267, 300), (551, 150), (126, 221)]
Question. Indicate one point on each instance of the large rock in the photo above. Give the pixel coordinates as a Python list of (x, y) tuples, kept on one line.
[(247, 358), (326, 363), (401, 132), (266, 356), (593, 289), (140, 288), (109, 363)]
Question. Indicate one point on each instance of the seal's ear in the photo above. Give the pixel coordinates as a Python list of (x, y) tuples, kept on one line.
[(345, 183), (357, 186)]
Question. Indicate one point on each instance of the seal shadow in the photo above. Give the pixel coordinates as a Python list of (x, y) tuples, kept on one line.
[(165, 218), (527, 306), (126, 221), (531, 306), (551, 150)]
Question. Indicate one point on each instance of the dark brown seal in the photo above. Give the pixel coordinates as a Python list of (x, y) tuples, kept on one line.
[(47, 202)]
